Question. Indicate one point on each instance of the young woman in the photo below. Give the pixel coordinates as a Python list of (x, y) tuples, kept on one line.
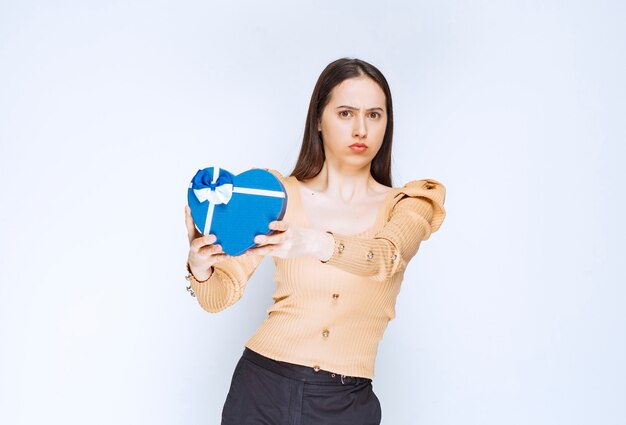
[(340, 254)]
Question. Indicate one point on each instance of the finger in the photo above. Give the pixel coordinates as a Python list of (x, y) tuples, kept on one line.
[(269, 239), (263, 240), (189, 224), (192, 232), (262, 250), (221, 257), (210, 250), (198, 243), (279, 225)]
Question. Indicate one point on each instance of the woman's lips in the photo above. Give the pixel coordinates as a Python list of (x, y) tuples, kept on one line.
[(358, 147)]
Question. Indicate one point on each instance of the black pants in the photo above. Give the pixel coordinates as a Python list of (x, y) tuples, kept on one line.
[(270, 392)]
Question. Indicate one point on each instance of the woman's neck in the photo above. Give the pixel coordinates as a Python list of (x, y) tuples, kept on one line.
[(343, 183)]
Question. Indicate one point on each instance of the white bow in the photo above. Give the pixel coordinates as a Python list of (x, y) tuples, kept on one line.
[(221, 194)]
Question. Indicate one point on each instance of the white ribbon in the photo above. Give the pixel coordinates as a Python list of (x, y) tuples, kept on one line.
[(223, 193)]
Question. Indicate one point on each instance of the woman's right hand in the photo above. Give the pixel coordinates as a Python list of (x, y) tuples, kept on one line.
[(202, 254)]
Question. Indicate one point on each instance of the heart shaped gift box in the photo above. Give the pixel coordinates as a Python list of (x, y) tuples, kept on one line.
[(236, 208)]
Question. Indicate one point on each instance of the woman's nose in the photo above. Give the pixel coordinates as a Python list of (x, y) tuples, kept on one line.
[(360, 129)]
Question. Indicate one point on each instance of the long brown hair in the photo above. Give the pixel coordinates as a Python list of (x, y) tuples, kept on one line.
[(312, 157)]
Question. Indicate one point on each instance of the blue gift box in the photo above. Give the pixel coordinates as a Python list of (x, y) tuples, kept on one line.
[(236, 208)]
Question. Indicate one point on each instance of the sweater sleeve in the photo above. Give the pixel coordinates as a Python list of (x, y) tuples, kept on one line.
[(227, 283), (415, 216), (229, 279)]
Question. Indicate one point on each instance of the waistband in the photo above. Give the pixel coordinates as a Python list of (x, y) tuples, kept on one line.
[(301, 373)]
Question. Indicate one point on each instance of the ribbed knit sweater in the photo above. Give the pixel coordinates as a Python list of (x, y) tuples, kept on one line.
[(332, 315)]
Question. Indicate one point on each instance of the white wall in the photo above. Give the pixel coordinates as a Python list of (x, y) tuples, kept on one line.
[(512, 313)]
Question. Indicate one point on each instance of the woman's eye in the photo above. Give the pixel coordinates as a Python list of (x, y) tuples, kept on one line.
[(344, 115), (377, 114)]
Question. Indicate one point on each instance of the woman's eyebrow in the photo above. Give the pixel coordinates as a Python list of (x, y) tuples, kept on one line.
[(356, 109)]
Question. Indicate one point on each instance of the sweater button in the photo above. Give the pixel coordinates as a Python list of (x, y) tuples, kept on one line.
[(393, 257), (370, 255), (335, 296), (316, 368), (325, 333), (340, 247)]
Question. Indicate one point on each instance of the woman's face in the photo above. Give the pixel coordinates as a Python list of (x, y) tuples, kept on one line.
[(355, 114)]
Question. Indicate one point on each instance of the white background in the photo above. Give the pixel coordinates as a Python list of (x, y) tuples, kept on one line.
[(513, 313)]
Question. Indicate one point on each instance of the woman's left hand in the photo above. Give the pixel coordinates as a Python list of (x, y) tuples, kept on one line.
[(291, 240)]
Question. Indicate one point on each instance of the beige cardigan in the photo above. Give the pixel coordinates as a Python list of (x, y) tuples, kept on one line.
[(332, 315)]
